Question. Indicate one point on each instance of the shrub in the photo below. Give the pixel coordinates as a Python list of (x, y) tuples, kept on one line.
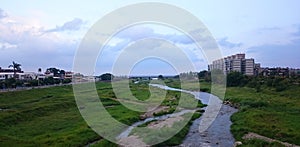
[(254, 104)]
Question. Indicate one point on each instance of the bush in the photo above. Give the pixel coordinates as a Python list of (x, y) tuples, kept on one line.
[(66, 81), (279, 88), (107, 143), (254, 104), (281, 85), (33, 82), (236, 79), (205, 89), (257, 142)]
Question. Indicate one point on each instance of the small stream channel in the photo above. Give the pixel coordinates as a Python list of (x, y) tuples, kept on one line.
[(211, 129)]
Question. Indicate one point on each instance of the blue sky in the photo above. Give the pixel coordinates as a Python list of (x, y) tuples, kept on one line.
[(47, 33)]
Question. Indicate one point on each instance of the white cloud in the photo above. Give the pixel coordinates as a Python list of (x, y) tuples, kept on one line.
[(5, 45), (225, 43), (24, 40), (3, 14), (72, 25), (129, 36)]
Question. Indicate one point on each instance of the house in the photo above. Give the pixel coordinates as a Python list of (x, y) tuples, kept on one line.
[(6, 75), (69, 75), (9, 73)]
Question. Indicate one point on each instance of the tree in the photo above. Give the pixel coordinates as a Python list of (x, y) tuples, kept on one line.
[(39, 71), (10, 83), (106, 77), (202, 74), (160, 77), (16, 67), (217, 76), (56, 72), (51, 81), (53, 70), (235, 79)]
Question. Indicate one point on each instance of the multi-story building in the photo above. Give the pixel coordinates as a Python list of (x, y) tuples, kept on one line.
[(248, 67), (232, 63)]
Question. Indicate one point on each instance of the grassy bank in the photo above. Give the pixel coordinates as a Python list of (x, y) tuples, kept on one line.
[(268, 112)]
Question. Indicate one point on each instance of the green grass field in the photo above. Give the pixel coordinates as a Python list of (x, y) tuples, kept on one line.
[(42, 117), (50, 117)]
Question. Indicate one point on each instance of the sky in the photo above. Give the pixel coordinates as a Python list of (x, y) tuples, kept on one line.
[(43, 34)]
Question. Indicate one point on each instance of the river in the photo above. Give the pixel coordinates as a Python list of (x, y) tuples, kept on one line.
[(211, 129), (218, 132)]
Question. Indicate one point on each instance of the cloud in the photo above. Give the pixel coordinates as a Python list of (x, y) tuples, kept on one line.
[(21, 40), (273, 55), (227, 44), (5, 45), (72, 25), (264, 29), (136, 33), (267, 36), (274, 52), (297, 32), (3, 14), (182, 39), (131, 35), (140, 32)]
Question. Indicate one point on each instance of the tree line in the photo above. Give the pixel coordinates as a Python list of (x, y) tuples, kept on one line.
[(237, 79)]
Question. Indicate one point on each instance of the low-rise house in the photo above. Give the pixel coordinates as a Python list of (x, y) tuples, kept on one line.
[(10, 73), (6, 75), (69, 75)]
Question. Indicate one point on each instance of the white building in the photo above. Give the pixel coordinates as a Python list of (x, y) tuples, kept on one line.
[(6, 75), (248, 67), (21, 76), (236, 63)]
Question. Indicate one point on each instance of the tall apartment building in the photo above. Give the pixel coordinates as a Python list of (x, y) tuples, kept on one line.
[(232, 63)]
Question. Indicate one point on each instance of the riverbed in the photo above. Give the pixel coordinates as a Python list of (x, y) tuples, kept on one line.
[(218, 134)]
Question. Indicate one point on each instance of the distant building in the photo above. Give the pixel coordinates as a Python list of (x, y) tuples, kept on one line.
[(294, 72), (248, 67), (277, 71), (4, 76), (69, 75), (232, 63), (9, 73), (257, 69), (21, 75)]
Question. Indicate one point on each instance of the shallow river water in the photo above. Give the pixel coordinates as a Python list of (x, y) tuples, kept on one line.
[(211, 129)]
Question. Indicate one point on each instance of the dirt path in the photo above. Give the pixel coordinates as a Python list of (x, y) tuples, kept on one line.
[(152, 110), (165, 123), (252, 135), (131, 141), (33, 87)]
